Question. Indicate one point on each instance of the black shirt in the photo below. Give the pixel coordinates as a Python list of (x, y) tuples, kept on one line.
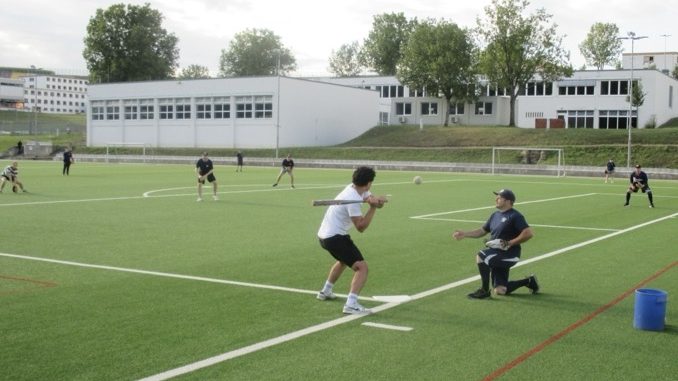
[(205, 166)]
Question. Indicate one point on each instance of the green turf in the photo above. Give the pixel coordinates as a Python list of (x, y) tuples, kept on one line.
[(125, 320)]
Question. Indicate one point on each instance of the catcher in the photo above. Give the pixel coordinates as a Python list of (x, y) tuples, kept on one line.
[(508, 229), (638, 180)]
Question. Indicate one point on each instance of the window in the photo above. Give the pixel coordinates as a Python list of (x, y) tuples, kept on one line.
[(131, 110), (243, 107), (97, 111), (183, 108), (483, 108), (166, 109), (616, 119), (429, 108), (457, 109), (391, 91), (222, 108), (263, 107), (203, 109), (614, 87), (403, 108), (146, 109), (112, 110), (670, 96)]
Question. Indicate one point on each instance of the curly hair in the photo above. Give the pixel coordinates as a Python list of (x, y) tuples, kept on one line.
[(363, 175)]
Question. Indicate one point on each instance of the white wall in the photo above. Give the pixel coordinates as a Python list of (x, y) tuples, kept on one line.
[(311, 114)]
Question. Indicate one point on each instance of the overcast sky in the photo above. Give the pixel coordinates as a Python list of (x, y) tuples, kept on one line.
[(49, 34)]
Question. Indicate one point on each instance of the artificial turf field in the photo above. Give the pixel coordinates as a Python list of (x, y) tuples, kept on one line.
[(117, 273)]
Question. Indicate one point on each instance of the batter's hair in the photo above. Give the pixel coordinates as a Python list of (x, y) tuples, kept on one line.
[(363, 175)]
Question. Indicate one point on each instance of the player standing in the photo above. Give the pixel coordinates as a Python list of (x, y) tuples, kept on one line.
[(68, 160), (508, 229), (639, 180), (287, 167), (609, 171), (205, 170), (334, 237)]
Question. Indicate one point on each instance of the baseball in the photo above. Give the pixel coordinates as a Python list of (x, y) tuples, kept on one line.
[(417, 180)]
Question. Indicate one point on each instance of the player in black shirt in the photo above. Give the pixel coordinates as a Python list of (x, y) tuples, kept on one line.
[(238, 157), (205, 170), (639, 180), (287, 167), (68, 160), (508, 229), (609, 171)]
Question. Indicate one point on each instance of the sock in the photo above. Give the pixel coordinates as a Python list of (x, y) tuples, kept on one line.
[(515, 284), (352, 299), (649, 197), (628, 197), (484, 271), (327, 288)]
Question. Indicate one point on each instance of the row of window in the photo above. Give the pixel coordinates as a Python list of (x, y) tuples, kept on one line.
[(64, 80), (52, 94), (241, 107), (607, 119), (431, 108), (538, 88), (52, 102)]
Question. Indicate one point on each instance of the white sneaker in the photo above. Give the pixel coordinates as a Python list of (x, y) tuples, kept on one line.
[(323, 296), (215, 198), (356, 309), (199, 199)]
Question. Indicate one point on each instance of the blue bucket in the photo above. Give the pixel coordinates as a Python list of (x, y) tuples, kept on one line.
[(650, 309)]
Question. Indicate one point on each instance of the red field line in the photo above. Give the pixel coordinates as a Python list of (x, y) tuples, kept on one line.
[(518, 360), (39, 283)]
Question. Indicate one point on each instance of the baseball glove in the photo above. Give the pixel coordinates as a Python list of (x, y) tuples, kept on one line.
[(501, 244)]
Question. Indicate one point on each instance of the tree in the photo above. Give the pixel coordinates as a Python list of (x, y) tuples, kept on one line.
[(346, 61), (519, 47), (255, 52), (602, 45), (128, 43), (675, 72), (194, 72), (382, 49), (439, 57)]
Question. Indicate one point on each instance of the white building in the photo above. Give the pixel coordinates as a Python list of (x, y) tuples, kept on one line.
[(55, 94), (662, 61), (11, 92), (251, 112), (588, 99)]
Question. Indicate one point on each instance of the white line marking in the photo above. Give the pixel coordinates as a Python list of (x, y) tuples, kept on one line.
[(332, 323), (535, 225), (392, 298), (388, 326), (492, 207)]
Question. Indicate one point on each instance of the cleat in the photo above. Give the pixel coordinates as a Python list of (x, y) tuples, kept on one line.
[(356, 309), (215, 198), (323, 296), (651, 205), (626, 204), (275, 185), (199, 199), (479, 294), (292, 186), (533, 285)]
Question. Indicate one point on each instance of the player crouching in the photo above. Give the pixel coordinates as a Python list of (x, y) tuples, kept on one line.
[(11, 174), (638, 181)]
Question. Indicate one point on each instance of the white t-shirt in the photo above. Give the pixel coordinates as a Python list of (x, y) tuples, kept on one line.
[(337, 219)]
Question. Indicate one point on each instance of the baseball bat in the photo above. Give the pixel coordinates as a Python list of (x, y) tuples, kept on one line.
[(335, 202)]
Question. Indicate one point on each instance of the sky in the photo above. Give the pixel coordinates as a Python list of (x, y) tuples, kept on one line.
[(49, 34)]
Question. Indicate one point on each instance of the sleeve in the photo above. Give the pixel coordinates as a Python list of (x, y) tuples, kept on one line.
[(520, 223)]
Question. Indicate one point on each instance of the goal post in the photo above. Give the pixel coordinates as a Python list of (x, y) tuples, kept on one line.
[(544, 157), (128, 149)]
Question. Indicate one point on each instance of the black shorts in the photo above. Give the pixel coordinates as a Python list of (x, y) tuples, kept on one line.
[(342, 249), (210, 178), (500, 262)]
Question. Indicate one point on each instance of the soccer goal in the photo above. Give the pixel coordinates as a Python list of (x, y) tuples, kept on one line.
[(543, 157), (117, 150)]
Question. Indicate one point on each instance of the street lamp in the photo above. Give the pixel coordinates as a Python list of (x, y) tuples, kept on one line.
[(630, 36), (277, 107)]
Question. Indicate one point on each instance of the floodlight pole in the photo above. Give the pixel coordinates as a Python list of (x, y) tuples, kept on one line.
[(630, 36), (277, 106), (665, 65)]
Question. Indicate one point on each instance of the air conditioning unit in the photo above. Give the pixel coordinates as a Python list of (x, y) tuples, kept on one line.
[(402, 119), (454, 119)]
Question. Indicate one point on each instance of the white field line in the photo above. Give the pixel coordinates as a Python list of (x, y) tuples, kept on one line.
[(535, 225), (492, 207), (388, 326), (346, 319)]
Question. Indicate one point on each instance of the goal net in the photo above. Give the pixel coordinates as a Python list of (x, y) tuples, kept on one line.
[(549, 160), (136, 150)]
